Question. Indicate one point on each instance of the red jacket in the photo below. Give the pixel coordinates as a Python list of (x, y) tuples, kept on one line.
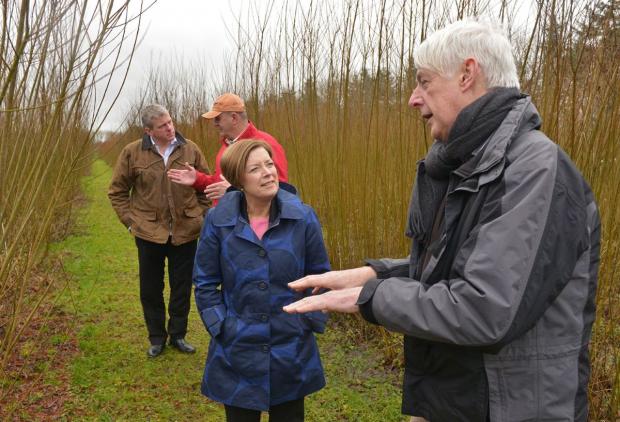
[(279, 158)]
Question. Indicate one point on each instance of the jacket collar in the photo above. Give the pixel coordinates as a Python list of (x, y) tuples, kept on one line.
[(147, 144), (228, 211), (248, 133), (487, 162), (523, 117)]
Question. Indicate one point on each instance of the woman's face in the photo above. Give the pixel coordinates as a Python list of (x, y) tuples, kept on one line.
[(260, 179)]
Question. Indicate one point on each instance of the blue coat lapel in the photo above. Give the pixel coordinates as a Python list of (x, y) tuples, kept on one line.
[(228, 213)]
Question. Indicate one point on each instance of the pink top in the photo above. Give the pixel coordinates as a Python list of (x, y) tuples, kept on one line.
[(259, 225)]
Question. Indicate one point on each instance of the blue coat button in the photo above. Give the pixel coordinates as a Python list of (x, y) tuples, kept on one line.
[(262, 285), (265, 348), (261, 253), (264, 318)]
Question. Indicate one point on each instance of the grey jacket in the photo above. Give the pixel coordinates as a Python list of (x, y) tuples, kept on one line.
[(497, 326)]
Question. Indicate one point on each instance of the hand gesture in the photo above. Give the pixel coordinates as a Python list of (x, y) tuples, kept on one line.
[(185, 176), (345, 286), (218, 189), (334, 280), (336, 300)]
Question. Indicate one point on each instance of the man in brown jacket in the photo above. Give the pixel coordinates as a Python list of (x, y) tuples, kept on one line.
[(165, 219)]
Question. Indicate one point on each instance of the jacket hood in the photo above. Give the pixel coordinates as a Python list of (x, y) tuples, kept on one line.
[(228, 209)]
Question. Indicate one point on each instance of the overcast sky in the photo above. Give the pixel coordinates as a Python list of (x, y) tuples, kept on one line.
[(184, 29), (175, 29)]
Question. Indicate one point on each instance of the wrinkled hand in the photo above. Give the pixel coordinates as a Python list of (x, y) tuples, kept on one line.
[(218, 189), (185, 176), (334, 280), (333, 301)]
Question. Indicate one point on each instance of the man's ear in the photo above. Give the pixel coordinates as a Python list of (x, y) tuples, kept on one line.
[(470, 71)]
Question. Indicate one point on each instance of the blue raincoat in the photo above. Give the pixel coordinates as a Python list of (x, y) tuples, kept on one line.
[(259, 356)]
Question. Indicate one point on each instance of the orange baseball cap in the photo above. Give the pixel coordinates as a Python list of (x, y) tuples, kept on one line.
[(225, 102)]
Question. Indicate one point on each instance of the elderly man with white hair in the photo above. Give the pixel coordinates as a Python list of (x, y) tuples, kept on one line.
[(497, 298)]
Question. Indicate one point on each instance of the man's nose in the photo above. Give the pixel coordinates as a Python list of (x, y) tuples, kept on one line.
[(415, 100)]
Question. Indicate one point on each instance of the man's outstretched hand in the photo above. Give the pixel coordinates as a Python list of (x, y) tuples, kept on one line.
[(186, 176), (345, 287), (333, 301)]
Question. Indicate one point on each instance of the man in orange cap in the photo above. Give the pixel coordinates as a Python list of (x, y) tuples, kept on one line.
[(231, 120)]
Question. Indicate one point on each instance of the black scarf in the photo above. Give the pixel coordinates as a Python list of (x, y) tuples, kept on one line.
[(474, 124)]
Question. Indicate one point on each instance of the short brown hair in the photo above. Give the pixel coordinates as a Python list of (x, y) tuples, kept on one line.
[(236, 156)]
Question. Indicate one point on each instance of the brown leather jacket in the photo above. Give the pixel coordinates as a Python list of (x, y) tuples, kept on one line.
[(147, 202)]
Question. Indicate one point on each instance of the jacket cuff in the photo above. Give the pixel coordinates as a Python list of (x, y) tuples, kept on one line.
[(201, 181), (380, 268), (364, 301), (212, 319)]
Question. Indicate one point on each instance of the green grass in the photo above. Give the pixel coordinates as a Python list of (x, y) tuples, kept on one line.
[(112, 379)]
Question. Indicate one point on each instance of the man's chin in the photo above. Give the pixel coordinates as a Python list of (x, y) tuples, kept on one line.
[(439, 137)]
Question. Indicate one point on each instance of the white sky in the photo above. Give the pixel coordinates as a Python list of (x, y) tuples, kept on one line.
[(173, 29), (194, 30)]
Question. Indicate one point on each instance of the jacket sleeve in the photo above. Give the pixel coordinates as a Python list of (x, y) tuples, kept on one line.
[(316, 262), (201, 166), (205, 178), (389, 267), (120, 187), (501, 279), (202, 181), (207, 279)]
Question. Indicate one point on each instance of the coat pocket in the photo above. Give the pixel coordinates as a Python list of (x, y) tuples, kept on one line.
[(145, 215), (193, 212), (193, 220), (314, 321), (143, 221), (212, 318), (148, 172)]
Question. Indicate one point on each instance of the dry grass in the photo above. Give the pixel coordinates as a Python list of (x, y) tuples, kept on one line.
[(52, 54)]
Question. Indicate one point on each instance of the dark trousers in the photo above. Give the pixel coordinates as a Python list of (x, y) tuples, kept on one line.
[(151, 259), (291, 411)]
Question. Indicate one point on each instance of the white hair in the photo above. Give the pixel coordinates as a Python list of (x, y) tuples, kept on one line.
[(446, 49)]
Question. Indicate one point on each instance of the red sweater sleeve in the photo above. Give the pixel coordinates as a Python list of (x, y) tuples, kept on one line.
[(202, 181)]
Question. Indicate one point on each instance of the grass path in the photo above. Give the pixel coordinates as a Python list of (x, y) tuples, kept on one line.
[(111, 377)]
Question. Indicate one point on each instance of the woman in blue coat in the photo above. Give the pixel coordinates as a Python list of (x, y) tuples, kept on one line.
[(257, 240)]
